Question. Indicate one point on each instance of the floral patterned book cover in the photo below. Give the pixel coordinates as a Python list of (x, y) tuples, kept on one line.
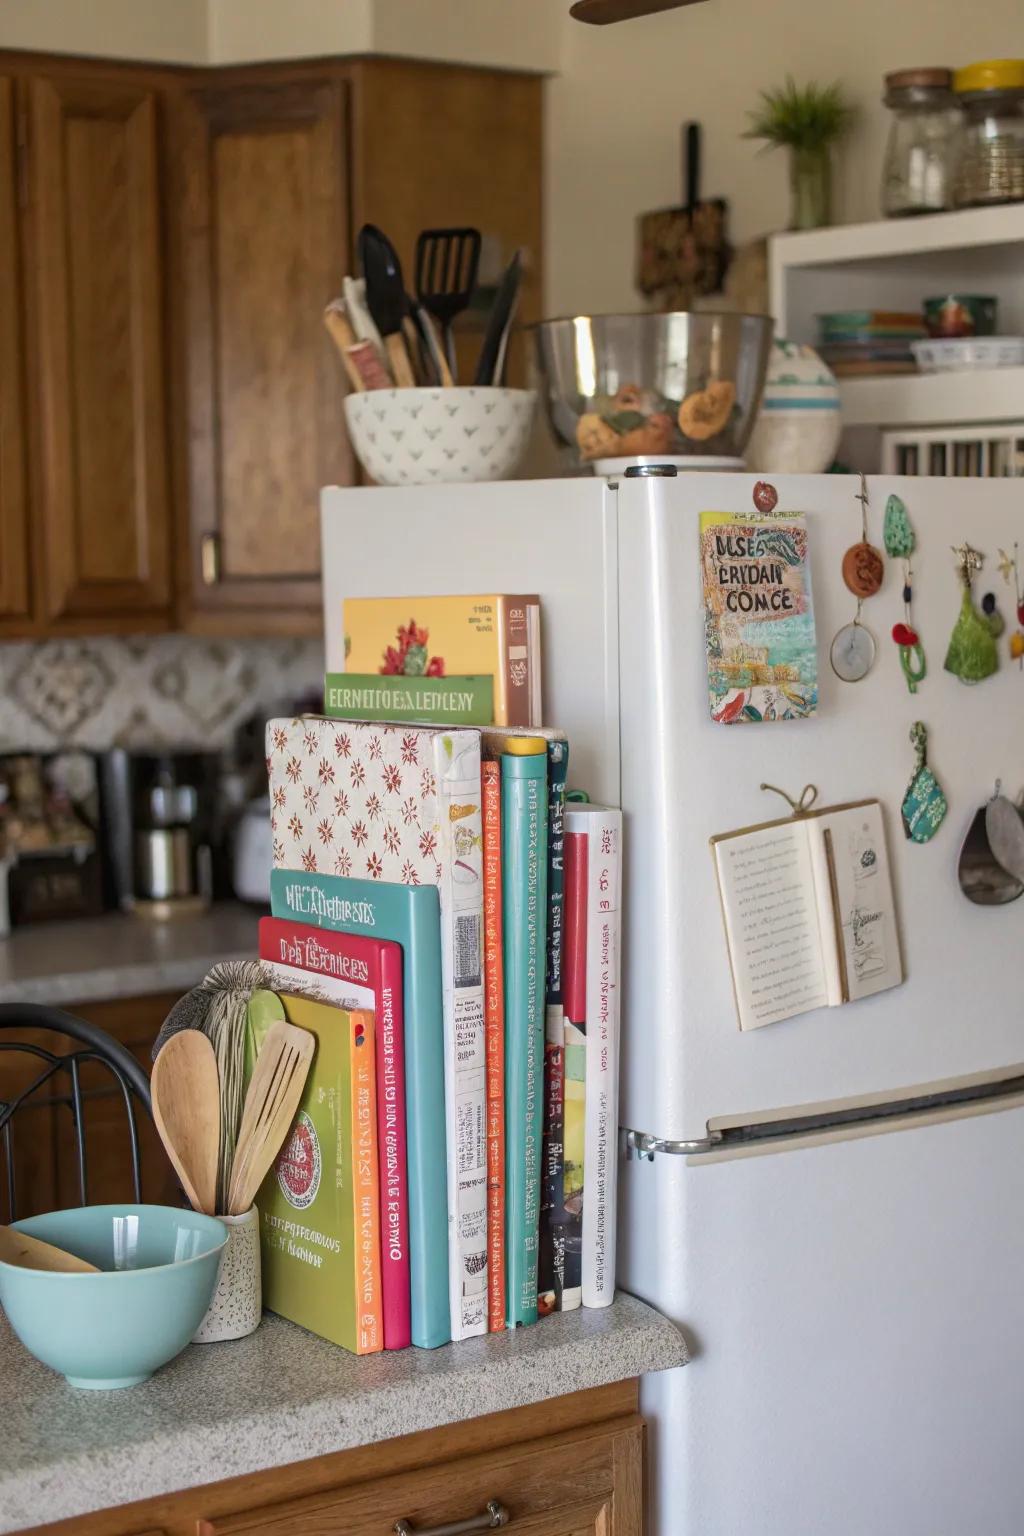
[(758, 618), (402, 804)]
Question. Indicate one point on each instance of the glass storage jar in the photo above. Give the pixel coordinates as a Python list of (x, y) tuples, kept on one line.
[(917, 176), (991, 161)]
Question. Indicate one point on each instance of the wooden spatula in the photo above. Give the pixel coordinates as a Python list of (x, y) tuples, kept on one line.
[(32, 1253), (270, 1105), (186, 1109)]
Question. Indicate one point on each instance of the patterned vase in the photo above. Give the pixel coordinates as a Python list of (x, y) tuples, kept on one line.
[(237, 1304)]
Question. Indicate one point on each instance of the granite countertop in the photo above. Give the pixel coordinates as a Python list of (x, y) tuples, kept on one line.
[(283, 1395), (118, 955)]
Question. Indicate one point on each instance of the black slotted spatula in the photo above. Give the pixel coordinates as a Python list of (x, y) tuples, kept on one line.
[(446, 268)]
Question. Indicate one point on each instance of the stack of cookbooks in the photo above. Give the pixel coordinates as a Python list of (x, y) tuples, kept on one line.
[(457, 922)]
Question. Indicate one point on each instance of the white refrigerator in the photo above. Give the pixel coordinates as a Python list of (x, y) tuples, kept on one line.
[(831, 1207)]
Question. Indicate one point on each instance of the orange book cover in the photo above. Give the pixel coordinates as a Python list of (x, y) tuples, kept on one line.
[(494, 1018), (366, 1190)]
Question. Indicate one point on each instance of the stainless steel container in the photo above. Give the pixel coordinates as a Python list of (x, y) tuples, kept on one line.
[(679, 388), (164, 864)]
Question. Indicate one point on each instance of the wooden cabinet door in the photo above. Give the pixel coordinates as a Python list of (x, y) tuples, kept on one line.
[(97, 297), (584, 1482), (14, 582), (265, 247)]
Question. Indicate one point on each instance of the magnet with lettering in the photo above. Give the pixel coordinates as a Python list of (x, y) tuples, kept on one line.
[(758, 618)]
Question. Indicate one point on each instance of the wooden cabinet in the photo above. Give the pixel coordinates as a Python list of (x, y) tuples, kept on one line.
[(570, 1466), (97, 349), (264, 245), (582, 1483), (14, 570), (170, 404)]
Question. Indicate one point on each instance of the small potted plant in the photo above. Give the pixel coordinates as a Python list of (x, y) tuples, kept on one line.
[(808, 120)]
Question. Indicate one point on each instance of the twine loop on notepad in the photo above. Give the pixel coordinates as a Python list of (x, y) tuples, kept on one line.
[(799, 807)]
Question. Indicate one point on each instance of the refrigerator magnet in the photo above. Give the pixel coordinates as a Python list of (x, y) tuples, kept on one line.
[(972, 654), (759, 632), (924, 805), (1009, 569), (900, 542), (852, 653)]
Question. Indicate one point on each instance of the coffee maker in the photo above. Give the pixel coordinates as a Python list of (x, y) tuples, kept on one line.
[(158, 815)]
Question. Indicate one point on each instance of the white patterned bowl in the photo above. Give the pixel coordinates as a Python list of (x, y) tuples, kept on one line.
[(430, 436)]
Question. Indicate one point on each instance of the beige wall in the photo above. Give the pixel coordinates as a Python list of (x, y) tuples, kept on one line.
[(514, 34), (614, 115)]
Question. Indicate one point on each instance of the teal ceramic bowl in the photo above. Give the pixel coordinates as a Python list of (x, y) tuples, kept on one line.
[(115, 1329)]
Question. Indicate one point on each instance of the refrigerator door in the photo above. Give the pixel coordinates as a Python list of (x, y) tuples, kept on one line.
[(685, 778), (553, 537), (855, 1315)]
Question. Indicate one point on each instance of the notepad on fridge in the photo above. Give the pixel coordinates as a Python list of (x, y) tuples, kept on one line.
[(810, 915)]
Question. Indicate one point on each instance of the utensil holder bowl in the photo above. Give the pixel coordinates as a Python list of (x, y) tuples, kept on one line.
[(237, 1304)]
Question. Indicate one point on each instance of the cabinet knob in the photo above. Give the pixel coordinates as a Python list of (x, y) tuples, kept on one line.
[(209, 559), (494, 1516)]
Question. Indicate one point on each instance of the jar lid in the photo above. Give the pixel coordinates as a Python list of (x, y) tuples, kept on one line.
[(900, 79), (990, 75)]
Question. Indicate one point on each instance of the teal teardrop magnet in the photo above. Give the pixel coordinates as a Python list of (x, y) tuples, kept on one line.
[(924, 804), (897, 534)]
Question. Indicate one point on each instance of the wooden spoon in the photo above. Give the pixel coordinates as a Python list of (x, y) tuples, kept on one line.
[(32, 1253), (270, 1105), (186, 1109)]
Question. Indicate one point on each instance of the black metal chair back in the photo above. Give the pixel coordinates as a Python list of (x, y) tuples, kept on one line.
[(94, 1045)]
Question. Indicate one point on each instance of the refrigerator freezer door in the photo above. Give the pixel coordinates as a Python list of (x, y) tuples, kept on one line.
[(553, 537), (855, 1316), (685, 778)]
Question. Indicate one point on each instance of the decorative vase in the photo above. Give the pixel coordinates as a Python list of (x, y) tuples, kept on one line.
[(798, 428), (810, 181)]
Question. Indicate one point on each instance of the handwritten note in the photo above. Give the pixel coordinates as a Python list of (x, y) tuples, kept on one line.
[(771, 916)]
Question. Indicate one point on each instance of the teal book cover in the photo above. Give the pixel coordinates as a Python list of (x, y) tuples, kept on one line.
[(410, 915), (524, 809)]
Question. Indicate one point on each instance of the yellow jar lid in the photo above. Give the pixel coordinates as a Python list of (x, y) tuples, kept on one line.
[(990, 75)]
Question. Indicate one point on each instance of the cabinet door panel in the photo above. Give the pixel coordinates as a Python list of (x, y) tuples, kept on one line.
[(585, 1482), (98, 317), (14, 587), (265, 249)]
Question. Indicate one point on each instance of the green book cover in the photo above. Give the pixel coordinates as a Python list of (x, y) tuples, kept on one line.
[(524, 796), (412, 700), (318, 1205)]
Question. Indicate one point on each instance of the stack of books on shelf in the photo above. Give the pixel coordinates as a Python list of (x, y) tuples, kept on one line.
[(869, 341), (447, 924)]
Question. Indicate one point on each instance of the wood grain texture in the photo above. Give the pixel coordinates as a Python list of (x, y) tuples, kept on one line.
[(96, 303), (437, 146), (186, 1109), (14, 544), (264, 236), (306, 1485)]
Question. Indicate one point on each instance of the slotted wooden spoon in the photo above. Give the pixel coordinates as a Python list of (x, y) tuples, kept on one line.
[(32, 1253), (270, 1105), (186, 1110)]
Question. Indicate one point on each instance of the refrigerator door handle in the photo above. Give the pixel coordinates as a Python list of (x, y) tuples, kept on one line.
[(835, 1118)]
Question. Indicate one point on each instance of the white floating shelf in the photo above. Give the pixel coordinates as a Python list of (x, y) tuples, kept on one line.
[(884, 239), (933, 399)]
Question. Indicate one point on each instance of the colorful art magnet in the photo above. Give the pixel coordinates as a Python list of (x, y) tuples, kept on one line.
[(1009, 569), (924, 805), (900, 542), (972, 654)]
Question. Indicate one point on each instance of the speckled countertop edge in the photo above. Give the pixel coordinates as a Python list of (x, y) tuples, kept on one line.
[(226, 1410)]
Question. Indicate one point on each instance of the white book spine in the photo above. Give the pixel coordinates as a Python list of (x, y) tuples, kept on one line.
[(457, 766), (600, 1162)]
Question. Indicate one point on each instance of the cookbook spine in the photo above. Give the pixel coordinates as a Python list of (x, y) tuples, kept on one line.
[(369, 1330), (513, 704), (494, 1008), (574, 1065), (524, 881), (604, 843), (551, 1255), (457, 769), (393, 1155)]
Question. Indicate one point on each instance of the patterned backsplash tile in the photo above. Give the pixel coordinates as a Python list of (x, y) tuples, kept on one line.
[(147, 693)]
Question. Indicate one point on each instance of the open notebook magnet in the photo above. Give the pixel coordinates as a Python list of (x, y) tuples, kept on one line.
[(809, 911)]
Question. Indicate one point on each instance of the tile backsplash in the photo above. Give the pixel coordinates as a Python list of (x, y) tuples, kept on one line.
[(146, 692)]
